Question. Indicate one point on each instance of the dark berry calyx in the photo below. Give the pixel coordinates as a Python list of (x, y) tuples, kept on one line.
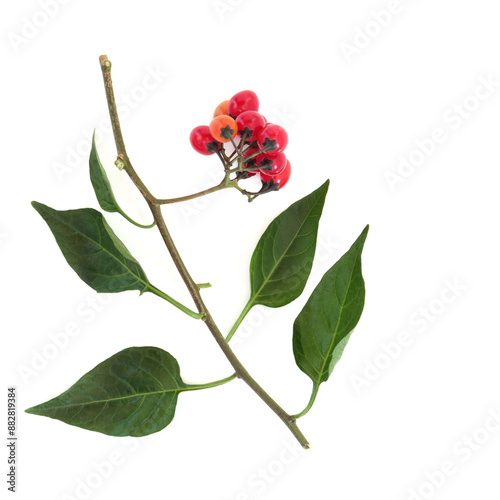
[(269, 144), (227, 132), (266, 164), (213, 146)]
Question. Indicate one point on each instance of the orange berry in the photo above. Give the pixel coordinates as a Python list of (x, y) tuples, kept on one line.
[(223, 127), (221, 109)]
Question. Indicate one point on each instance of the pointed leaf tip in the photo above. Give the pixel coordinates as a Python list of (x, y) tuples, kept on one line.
[(102, 187), (100, 181)]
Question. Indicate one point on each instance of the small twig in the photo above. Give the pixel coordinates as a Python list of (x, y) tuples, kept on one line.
[(191, 285), (193, 196)]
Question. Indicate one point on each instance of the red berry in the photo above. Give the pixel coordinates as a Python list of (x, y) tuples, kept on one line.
[(272, 163), (251, 122), (221, 109), (202, 141), (281, 179), (246, 100), (273, 137), (222, 128)]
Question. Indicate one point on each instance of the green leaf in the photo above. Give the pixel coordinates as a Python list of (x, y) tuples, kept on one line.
[(93, 250), (132, 393), (102, 187), (97, 255), (323, 327), (282, 261)]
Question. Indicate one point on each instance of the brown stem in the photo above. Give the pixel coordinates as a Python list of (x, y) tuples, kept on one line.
[(193, 196), (191, 285), (117, 131)]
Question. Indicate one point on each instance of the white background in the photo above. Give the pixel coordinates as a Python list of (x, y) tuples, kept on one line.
[(353, 106)]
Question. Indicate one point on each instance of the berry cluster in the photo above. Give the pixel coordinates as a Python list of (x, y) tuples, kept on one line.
[(258, 145)]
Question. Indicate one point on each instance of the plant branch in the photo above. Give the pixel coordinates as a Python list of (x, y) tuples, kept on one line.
[(117, 131), (213, 189), (191, 285)]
